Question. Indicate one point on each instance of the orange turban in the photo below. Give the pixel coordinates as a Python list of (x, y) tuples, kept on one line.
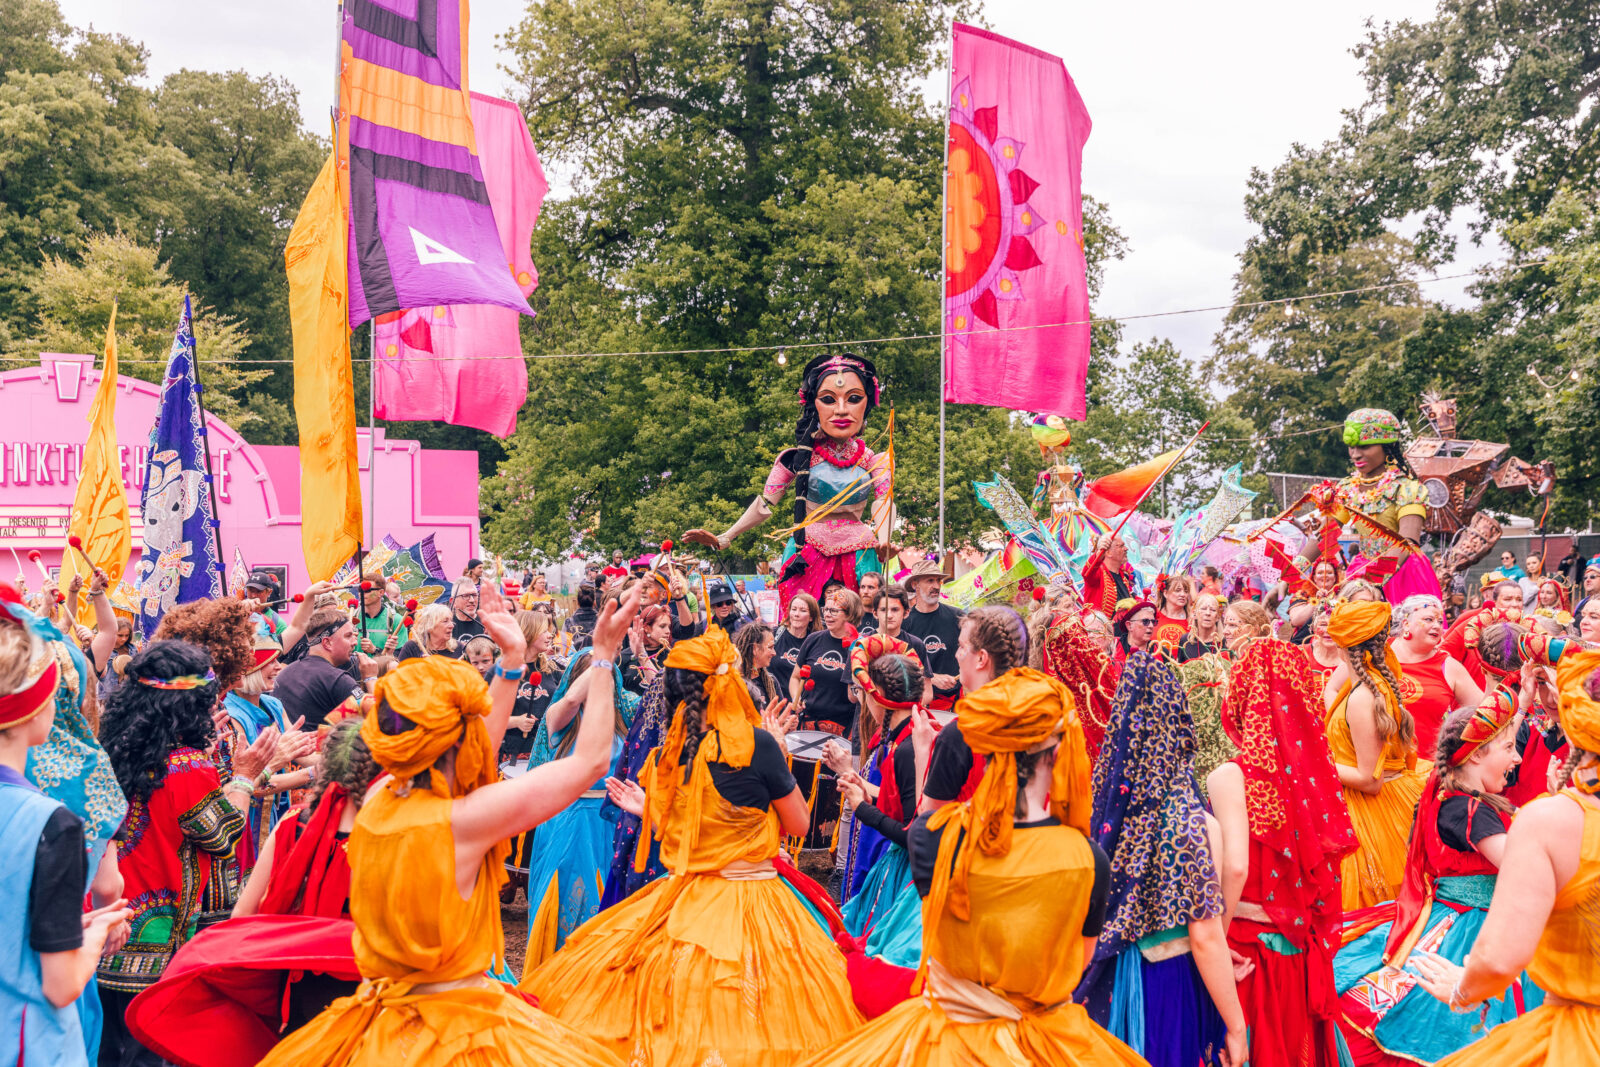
[(1578, 711), (1023, 710), (447, 700), (728, 736), (1356, 621)]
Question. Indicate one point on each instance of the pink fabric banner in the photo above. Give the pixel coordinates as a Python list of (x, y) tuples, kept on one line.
[(1014, 266), (463, 364)]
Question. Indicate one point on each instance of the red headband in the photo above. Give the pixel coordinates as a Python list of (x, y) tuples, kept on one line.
[(19, 707)]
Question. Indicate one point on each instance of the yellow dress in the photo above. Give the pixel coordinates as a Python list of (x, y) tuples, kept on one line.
[(1373, 872), (1566, 965), (1000, 985), (717, 963), (414, 931)]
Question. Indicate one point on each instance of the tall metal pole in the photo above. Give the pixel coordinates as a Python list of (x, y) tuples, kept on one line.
[(944, 236)]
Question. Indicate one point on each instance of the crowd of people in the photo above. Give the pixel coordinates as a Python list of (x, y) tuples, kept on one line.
[(1334, 821)]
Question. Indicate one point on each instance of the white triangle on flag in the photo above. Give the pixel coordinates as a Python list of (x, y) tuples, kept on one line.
[(430, 251)]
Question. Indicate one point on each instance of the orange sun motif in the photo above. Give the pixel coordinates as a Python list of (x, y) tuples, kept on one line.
[(988, 216)]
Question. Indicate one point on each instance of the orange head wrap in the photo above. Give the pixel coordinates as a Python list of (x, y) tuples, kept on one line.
[(447, 700), (1575, 663), (729, 735), (1356, 621), (1023, 710)]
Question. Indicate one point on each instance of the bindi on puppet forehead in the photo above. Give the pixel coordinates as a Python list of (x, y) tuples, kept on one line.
[(842, 381)]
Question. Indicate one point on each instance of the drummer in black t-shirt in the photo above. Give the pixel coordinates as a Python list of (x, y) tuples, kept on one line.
[(939, 627), (803, 619), (821, 680)]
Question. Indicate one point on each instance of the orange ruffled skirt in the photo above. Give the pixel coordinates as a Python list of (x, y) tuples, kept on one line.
[(699, 969), (918, 1033), (1552, 1035), (1373, 872), (483, 1025)]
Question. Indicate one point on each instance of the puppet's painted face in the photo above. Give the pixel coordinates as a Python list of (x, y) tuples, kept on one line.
[(841, 404)]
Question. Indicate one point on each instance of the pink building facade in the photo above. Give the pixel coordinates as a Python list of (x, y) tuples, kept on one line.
[(43, 423)]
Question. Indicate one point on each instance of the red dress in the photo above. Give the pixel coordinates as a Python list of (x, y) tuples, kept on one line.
[(1171, 633), (1428, 697)]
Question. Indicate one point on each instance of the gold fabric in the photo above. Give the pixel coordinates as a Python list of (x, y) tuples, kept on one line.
[(415, 933), (1021, 709), (715, 963), (1373, 872), (1000, 982), (1566, 965)]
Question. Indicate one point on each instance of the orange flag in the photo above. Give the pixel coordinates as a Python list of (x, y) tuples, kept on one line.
[(100, 506), (1116, 493), (324, 390)]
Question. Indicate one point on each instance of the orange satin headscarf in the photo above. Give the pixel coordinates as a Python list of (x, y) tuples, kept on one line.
[(447, 700), (1022, 710), (729, 736), (1355, 621)]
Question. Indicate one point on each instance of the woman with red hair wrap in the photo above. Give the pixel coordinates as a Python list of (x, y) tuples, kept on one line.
[(1011, 881), (1452, 869), (1284, 831)]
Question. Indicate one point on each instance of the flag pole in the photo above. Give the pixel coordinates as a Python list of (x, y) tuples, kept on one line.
[(944, 223), (1095, 558), (205, 440)]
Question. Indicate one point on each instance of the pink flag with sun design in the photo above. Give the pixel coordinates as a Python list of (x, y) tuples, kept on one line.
[(463, 363), (1016, 299)]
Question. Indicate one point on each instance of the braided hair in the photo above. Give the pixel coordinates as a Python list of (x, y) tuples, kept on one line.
[(1497, 646), (999, 631), (1392, 721), (683, 686), (896, 677), (808, 427), (347, 761)]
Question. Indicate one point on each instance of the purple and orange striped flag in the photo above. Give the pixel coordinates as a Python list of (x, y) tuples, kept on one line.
[(422, 232)]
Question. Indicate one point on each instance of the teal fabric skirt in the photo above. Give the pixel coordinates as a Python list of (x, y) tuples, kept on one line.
[(1388, 1005), (887, 911)]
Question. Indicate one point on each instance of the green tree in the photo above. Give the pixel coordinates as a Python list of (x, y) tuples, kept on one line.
[(1487, 115), (749, 174), (1299, 366), (74, 299), (248, 166)]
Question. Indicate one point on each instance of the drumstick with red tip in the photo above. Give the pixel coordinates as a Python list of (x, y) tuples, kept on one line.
[(38, 561), (76, 543)]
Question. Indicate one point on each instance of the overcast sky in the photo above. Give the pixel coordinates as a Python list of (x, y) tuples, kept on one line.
[(1186, 98)]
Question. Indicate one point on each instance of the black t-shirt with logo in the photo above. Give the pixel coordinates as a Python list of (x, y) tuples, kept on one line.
[(531, 700), (829, 699), (313, 687), (785, 657), (868, 625), (939, 629)]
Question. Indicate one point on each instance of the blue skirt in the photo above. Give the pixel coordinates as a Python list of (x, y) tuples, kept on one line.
[(567, 861), (888, 911), (864, 845), (1160, 1009), (1401, 1017)]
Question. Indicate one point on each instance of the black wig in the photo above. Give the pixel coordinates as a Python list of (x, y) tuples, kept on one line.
[(807, 428), (142, 724)]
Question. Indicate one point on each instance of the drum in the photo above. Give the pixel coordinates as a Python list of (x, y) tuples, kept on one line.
[(817, 784), (517, 860)]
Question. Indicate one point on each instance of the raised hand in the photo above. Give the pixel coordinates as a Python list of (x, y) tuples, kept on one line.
[(502, 628), (704, 537), (612, 626), (924, 728), (778, 720)]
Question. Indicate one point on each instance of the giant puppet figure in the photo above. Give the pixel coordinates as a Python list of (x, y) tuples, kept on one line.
[(1383, 504), (836, 478)]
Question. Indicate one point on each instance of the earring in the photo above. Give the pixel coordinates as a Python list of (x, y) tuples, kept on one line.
[(1405, 635)]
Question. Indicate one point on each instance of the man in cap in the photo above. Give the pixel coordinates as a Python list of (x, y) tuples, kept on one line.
[(938, 626), (724, 607)]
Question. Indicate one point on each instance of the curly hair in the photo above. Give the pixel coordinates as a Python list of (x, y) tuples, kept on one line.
[(221, 627), (686, 687), (999, 631), (141, 725), (808, 427), (1393, 720), (347, 761)]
